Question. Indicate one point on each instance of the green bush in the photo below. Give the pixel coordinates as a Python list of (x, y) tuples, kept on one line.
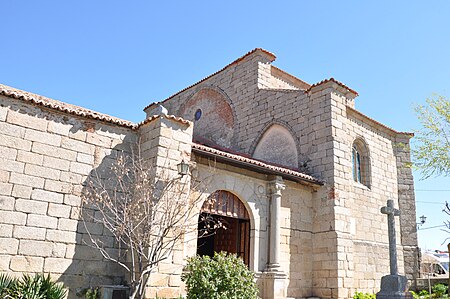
[(360, 295), (439, 290), (224, 276), (38, 286)]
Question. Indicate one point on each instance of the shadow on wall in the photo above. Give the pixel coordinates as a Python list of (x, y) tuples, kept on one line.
[(88, 268)]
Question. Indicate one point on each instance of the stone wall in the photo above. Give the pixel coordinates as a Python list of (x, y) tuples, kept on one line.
[(45, 158)]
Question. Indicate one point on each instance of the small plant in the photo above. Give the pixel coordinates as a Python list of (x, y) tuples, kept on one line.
[(225, 276), (360, 295), (38, 286), (92, 293)]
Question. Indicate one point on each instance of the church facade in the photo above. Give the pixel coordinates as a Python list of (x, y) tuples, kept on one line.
[(299, 176)]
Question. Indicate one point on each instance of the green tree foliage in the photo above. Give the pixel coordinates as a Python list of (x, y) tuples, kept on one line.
[(224, 276), (431, 153)]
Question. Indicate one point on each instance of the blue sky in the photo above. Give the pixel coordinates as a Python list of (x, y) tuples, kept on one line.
[(116, 57)]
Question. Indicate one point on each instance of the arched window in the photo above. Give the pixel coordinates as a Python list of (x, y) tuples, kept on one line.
[(360, 163)]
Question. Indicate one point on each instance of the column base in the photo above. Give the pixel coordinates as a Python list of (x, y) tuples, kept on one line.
[(274, 285), (394, 287)]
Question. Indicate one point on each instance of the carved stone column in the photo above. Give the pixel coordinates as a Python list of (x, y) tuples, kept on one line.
[(275, 188), (275, 286)]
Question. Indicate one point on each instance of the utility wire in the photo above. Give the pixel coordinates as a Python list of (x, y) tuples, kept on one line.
[(431, 227), (433, 190)]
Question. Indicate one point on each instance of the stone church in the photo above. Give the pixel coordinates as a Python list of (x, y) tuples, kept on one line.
[(300, 176)]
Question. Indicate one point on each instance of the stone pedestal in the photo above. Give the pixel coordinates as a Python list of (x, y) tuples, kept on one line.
[(274, 285), (394, 287)]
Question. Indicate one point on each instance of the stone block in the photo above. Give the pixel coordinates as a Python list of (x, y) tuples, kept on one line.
[(40, 171), (7, 203), (47, 196), (11, 217), (80, 168), (159, 280), (3, 113), (15, 142), (57, 186), (10, 165), (98, 140), (35, 248), (59, 128), (26, 120), (59, 250), (27, 264), (61, 236), (6, 230), (85, 158), (4, 176), (56, 163), (31, 233), (72, 200), (42, 221), (8, 153), (78, 146), (4, 261), (29, 157), (43, 137), (5, 189), (31, 206), (12, 130), (56, 265), (8, 246), (68, 224), (26, 180), (70, 177), (59, 210), (53, 151)]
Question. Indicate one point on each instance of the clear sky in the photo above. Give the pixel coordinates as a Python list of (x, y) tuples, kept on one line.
[(116, 57)]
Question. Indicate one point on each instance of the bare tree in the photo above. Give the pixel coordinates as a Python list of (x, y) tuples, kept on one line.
[(148, 213)]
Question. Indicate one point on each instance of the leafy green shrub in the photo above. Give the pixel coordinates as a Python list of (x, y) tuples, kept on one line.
[(225, 276), (38, 286), (360, 295), (439, 290)]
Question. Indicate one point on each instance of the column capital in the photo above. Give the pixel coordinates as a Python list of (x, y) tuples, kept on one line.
[(276, 185)]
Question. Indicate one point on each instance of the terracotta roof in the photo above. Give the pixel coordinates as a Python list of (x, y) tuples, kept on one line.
[(366, 118), (335, 81), (256, 164), (61, 106), (265, 52), (172, 117)]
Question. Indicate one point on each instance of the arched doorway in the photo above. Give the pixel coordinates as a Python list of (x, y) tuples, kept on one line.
[(234, 235)]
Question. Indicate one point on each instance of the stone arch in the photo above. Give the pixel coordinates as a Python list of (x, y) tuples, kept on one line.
[(360, 159), (214, 116), (254, 202), (277, 145), (233, 234)]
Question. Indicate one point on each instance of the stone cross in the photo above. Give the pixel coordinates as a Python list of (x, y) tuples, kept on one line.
[(391, 212)]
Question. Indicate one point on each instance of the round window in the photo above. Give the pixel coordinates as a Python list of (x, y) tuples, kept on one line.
[(198, 114)]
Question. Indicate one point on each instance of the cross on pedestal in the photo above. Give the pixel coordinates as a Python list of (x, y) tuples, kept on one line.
[(391, 212), (393, 286)]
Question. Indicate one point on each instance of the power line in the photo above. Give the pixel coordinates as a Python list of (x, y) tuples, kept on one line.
[(431, 227), (432, 190), (431, 202)]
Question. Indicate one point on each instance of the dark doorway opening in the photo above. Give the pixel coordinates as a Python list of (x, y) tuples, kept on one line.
[(233, 235)]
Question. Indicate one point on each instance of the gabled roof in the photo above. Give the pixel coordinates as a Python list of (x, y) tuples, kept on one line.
[(335, 81), (270, 56), (253, 164)]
